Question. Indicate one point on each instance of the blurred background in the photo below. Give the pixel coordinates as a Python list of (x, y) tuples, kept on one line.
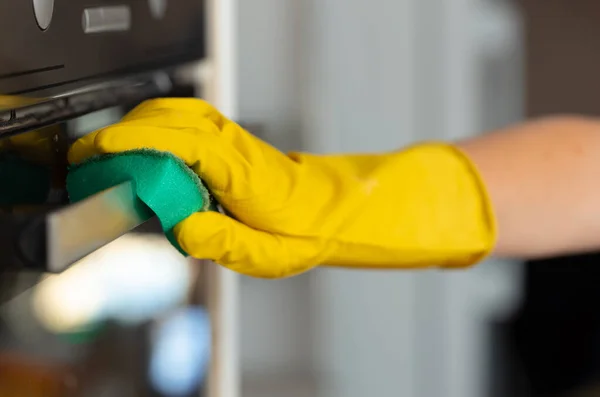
[(133, 319)]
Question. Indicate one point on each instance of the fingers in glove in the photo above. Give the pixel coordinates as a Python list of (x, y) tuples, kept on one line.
[(188, 109), (195, 113), (214, 236), (174, 113), (215, 161), (82, 149)]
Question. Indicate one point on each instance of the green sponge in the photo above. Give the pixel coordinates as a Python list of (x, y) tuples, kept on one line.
[(161, 181)]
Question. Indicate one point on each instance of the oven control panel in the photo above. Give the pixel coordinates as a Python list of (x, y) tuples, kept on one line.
[(47, 45)]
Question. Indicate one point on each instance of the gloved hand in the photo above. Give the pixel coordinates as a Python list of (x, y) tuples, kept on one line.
[(420, 207)]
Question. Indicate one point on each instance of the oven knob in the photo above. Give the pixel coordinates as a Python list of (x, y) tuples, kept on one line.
[(158, 8), (43, 10)]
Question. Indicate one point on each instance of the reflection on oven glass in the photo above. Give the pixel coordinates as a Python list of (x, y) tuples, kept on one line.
[(12, 101), (181, 352), (33, 165), (32, 168), (93, 121), (132, 280)]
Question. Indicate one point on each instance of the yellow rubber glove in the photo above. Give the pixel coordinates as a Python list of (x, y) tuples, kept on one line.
[(424, 206)]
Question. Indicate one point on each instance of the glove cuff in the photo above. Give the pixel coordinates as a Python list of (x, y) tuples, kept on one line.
[(427, 206)]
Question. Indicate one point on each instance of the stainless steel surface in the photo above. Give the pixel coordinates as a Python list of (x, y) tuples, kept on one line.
[(16, 118), (43, 11), (106, 19), (82, 228)]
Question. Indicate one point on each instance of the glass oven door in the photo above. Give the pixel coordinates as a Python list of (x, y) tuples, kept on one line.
[(128, 319)]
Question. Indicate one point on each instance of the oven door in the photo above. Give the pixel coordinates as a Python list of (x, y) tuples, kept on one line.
[(92, 294), (39, 231)]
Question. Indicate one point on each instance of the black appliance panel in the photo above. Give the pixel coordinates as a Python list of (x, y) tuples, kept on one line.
[(32, 59)]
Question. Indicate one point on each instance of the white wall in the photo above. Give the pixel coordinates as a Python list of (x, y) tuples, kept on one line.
[(359, 96), (269, 69), (275, 319)]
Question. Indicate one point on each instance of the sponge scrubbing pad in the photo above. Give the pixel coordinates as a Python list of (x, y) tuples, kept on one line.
[(161, 181)]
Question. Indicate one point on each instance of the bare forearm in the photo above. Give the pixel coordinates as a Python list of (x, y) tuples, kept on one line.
[(544, 181)]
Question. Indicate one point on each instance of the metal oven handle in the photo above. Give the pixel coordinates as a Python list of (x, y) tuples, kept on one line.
[(53, 241), (80, 229)]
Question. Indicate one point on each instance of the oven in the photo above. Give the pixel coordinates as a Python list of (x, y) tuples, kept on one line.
[(93, 299)]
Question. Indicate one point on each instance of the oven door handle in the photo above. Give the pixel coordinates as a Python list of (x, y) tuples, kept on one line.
[(76, 231), (53, 241), (50, 242)]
